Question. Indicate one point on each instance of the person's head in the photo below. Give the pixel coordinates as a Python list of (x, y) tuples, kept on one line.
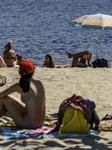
[(26, 70), (10, 58), (19, 58), (8, 46), (48, 59), (87, 55)]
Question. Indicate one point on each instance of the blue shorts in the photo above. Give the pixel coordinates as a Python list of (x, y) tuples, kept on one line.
[(31, 124)]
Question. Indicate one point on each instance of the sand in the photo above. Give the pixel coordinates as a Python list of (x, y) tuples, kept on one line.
[(91, 83)]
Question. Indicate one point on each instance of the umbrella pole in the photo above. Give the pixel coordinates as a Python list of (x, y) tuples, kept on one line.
[(97, 44)]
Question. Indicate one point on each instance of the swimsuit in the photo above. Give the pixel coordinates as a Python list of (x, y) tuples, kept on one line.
[(31, 124), (25, 99), (10, 66)]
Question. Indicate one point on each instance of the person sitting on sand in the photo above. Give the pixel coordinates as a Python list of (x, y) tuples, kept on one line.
[(50, 63), (19, 59), (29, 112), (9, 55), (83, 56)]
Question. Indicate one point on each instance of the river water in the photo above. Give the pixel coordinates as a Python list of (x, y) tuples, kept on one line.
[(40, 27)]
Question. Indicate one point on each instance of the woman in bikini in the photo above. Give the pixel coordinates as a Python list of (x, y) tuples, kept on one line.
[(29, 112), (9, 57), (50, 63), (83, 56)]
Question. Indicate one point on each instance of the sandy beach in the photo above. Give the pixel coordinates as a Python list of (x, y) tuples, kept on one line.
[(91, 83)]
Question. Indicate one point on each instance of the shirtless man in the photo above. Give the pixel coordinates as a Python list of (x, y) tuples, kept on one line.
[(83, 56)]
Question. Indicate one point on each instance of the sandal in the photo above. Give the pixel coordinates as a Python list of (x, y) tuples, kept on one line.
[(105, 126), (107, 117)]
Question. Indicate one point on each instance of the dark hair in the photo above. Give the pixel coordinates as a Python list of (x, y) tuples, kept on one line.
[(25, 82), (18, 55), (50, 60)]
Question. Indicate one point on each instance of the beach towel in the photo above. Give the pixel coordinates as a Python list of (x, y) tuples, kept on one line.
[(9, 131)]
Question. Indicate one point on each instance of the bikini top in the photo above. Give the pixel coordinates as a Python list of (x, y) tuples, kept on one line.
[(26, 98)]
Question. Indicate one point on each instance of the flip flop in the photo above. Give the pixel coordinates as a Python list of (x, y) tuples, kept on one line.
[(106, 129), (107, 117), (105, 126)]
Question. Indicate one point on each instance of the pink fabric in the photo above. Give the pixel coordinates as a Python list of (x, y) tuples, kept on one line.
[(54, 66), (37, 132)]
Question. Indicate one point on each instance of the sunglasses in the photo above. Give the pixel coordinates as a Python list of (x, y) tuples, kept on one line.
[(9, 57)]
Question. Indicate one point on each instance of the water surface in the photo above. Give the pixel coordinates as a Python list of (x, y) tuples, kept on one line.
[(40, 27)]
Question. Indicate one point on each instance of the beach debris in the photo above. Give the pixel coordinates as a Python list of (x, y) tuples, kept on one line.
[(2, 80)]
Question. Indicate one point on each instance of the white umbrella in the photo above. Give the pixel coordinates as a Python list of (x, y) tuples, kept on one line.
[(95, 21)]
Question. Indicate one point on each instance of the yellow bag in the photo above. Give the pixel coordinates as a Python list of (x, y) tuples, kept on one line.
[(74, 121)]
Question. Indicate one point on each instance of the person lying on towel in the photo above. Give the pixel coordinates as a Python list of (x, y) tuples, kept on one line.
[(50, 63)]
